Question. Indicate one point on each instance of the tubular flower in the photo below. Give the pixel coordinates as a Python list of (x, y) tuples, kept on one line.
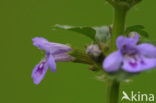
[(130, 56), (54, 53)]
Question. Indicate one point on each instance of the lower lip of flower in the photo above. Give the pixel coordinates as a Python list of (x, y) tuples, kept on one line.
[(41, 67)]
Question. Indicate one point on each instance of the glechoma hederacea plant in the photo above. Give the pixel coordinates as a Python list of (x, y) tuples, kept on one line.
[(117, 52)]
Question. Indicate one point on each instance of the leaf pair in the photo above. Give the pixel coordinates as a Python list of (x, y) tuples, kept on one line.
[(101, 33), (95, 33)]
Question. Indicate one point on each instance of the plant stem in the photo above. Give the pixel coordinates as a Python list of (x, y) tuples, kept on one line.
[(113, 86), (112, 91), (118, 24), (120, 10)]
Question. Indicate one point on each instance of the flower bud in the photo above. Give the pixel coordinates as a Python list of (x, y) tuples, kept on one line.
[(95, 53), (93, 50)]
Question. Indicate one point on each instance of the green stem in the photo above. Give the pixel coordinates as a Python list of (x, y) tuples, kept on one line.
[(112, 91), (120, 10), (118, 24)]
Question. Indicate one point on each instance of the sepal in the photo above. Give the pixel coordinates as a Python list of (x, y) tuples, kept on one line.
[(80, 56)]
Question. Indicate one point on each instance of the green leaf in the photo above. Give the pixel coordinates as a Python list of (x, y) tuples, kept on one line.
[(143, 33), (137, 28), (134, 27), (87, 31), (95, 33)]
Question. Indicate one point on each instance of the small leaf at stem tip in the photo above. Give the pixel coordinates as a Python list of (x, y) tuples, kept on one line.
[(96, 33), (137, 28)]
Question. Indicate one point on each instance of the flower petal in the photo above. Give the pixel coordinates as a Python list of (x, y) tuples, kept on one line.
[(62, 57), (51, 63), (49, 47), (112, 62), (59, 48), (147, 49), (39, 72), (138, 65), (39, 39), (42, 43), (121, 41)]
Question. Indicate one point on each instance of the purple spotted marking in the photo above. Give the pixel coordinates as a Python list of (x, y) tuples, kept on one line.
[(41, 67), (133, 64)]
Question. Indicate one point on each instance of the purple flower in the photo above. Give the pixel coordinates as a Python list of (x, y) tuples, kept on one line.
[(54, 53), (130, 56)]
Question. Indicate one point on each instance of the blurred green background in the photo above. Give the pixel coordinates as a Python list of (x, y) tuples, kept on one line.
[(21, 20)]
